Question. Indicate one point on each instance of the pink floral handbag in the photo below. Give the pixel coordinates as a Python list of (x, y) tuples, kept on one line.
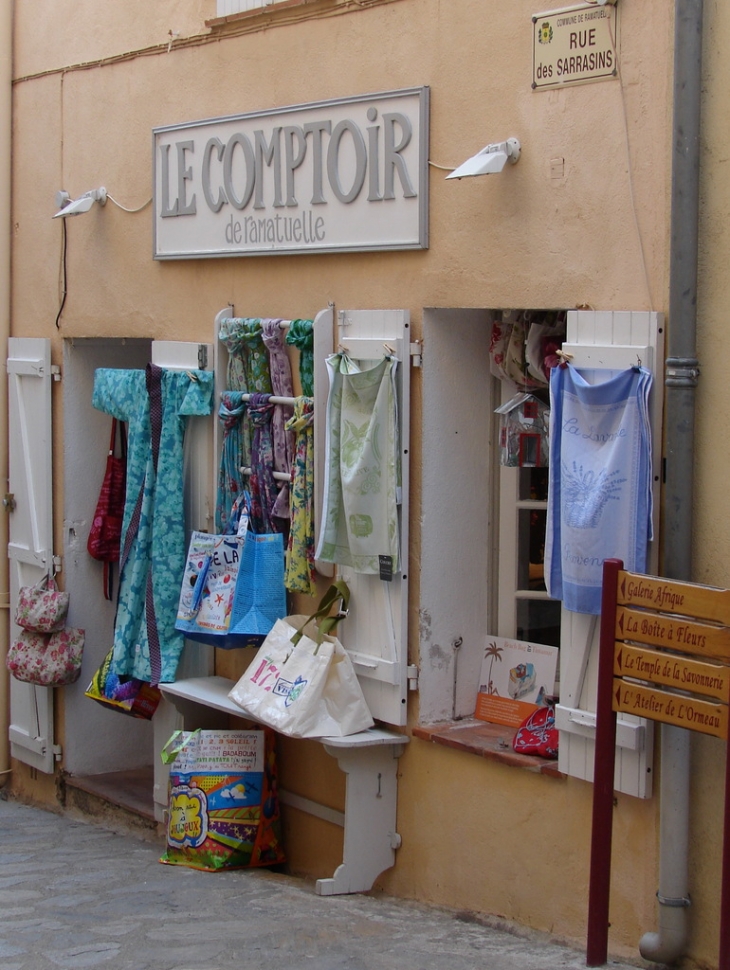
[(42, 608), (46, 659)]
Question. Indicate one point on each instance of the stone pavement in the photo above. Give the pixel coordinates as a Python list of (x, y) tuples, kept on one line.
[(74, 895)]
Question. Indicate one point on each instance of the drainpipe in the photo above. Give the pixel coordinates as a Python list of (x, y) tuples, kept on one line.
[(6, 60), (681, 376)]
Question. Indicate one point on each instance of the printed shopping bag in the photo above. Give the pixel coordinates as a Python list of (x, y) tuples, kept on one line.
[(209, 583), (260, 596), (42, 608), (46, 659), (223, 800), (303, 683), (127, 695)]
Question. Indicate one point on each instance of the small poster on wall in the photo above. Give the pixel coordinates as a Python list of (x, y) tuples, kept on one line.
[(517, 677)]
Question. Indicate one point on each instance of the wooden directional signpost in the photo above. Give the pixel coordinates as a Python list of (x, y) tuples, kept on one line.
[(664, 655)]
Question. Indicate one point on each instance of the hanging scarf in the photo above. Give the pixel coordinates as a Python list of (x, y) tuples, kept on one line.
[(248, 365), (301, 336), (262, 484), (361, 482), (299, 575), (282, 386), (230, 477), (599, 498)]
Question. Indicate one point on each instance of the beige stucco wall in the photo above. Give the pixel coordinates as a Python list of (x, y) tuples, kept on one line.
[(476, 835)]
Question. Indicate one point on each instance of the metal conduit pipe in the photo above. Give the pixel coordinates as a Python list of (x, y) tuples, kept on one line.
[(6, 58), (667, 945)]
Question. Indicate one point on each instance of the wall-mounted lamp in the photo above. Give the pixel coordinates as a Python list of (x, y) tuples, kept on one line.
[(67, 207), (493, 158)]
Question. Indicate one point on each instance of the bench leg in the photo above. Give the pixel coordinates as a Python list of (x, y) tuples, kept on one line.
[(370, 808)]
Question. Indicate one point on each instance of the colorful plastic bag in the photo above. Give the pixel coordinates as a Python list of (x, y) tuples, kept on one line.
[(127, 695), (303, 683), (223, 801), (209, 583), (260, 596)]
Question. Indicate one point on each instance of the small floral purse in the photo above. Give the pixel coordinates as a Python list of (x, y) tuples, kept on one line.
[(42, 608), (46, 659)]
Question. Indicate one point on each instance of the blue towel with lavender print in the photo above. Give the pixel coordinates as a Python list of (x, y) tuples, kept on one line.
[(599, 497)]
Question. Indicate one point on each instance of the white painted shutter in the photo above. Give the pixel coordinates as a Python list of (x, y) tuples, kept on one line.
[(375, 633), (30, 547), (608, 340)]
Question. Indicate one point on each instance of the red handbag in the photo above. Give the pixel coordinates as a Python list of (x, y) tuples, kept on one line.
[(106, 529), (537, 734)]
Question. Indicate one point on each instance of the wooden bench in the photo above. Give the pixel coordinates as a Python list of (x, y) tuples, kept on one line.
[(369, 760)]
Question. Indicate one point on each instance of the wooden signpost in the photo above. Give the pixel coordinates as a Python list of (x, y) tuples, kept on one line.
[(662, 644)]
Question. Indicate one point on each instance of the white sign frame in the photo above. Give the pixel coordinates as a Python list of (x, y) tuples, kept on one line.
[(342, 175), (574, 45)]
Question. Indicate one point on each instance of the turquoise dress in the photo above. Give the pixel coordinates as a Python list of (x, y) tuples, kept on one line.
[(159, 544)]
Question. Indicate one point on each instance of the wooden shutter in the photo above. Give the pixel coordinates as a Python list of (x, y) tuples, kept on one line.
[(30, 547), (375, 634), (614, 341)]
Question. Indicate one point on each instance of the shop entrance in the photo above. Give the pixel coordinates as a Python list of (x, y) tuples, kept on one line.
[(107, 754)]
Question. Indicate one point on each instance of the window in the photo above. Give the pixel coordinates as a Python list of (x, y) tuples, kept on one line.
[(524, 609), (224, 8)]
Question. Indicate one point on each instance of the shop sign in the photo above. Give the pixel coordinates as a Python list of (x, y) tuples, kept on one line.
[(573, 45), (345, 175), (669, 708)]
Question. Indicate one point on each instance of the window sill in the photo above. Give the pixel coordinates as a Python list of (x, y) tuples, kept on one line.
[(491, 741)]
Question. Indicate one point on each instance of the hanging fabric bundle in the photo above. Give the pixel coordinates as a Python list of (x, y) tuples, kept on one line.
[(282, 386), (301, 336), (599, 498), (248, 365), (231, 482), (262, 485), (361, 487), (300, 549), (155, 402)]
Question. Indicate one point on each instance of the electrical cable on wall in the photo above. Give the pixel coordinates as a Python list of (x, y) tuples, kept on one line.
[(63, 275)]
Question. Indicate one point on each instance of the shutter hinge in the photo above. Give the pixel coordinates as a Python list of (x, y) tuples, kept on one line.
[(57, 752), (55, 372), (202, 356), (416, 351), (412, 672), (57, 564)]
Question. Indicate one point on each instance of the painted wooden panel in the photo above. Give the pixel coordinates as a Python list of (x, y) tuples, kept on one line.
[(375, 633), (30, 548), (605, 341)]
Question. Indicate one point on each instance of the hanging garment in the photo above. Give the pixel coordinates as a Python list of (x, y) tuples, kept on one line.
[(248, 366), (299, 575), (360, 520), (301, 336), (262, 484), (153, 557), (281, 386), (231, 480), (599, 497)]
